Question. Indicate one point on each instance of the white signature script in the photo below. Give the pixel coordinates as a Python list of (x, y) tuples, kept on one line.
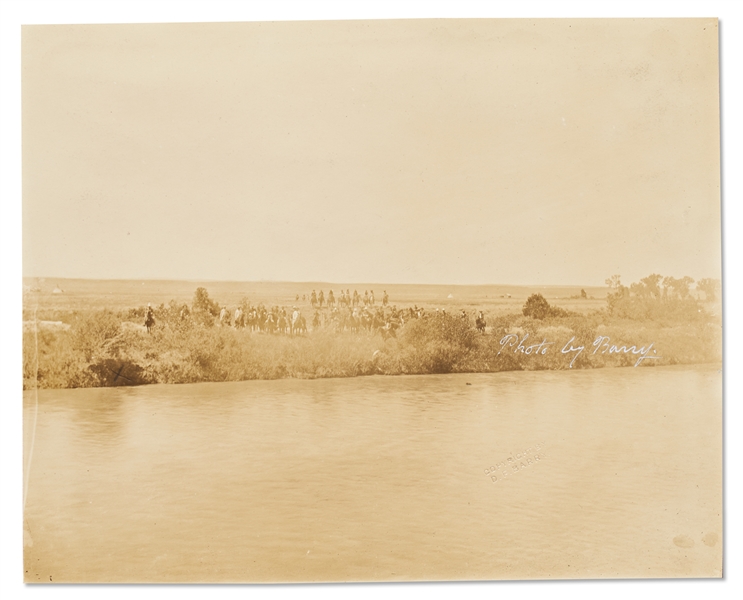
[(602, 345)]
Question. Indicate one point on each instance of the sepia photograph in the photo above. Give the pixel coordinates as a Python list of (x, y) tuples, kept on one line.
[(376, 300)]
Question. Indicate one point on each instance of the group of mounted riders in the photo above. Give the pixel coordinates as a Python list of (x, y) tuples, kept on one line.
[(346, 299), (352, 313), (258, 318)]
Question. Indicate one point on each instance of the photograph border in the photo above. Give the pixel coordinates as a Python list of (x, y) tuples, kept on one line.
[(15, 13)]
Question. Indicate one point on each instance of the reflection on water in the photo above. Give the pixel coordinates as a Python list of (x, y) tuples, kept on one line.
[(380, 478)]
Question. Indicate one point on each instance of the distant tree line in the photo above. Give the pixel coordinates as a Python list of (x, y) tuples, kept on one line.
[(657, 297), (653, 297)]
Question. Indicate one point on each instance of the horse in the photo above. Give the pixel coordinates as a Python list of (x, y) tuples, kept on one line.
[(294, 322), (149, 321), (300, 326), (283, 323), (480, 323)]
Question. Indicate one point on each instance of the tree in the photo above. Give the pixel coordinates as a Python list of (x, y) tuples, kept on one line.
[(652, 284), (614, 282), (617, 294), (202, 302), (683, 285), (648, 286), (710, 287), (676, 288), (204, 308), (536, 306)]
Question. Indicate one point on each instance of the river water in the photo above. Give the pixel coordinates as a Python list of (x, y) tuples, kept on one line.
[(613, 473)]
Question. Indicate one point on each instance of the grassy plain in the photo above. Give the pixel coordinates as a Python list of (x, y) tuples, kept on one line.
[(96, 294)]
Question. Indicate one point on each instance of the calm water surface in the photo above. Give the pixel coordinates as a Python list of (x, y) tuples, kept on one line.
[(379, 478)]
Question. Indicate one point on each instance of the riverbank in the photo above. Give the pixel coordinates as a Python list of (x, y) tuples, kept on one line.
[(103, 348)]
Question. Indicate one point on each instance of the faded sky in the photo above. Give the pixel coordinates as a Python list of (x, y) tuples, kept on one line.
[(475, 151)]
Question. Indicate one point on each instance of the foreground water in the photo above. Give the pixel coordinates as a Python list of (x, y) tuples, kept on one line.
[(379, 478)]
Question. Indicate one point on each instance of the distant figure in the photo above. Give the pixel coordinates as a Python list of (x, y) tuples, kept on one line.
[(385, 298), (366, 298), (371, 298), (480, 322), (355, 298), (149, 318), (223, 315), (320, 298), (313, 299), (270, 323), (282, 323), (583, 294), (331, 299), (296, 316)]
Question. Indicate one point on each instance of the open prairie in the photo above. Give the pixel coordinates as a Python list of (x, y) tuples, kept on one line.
[(117, 294)]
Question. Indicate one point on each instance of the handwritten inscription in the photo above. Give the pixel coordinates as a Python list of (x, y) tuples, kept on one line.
[(512, 339), (512, 342), (515, 462), (603, 343)]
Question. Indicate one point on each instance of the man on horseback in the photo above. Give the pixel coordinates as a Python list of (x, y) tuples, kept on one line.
[(149, 318), (480, 322), (297, 321)]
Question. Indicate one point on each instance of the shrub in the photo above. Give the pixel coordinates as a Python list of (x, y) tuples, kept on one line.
[(536, 306), (205, 310), (94, 333), (436, 344)]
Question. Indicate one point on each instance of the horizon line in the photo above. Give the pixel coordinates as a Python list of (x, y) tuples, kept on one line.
[(205, 280)]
